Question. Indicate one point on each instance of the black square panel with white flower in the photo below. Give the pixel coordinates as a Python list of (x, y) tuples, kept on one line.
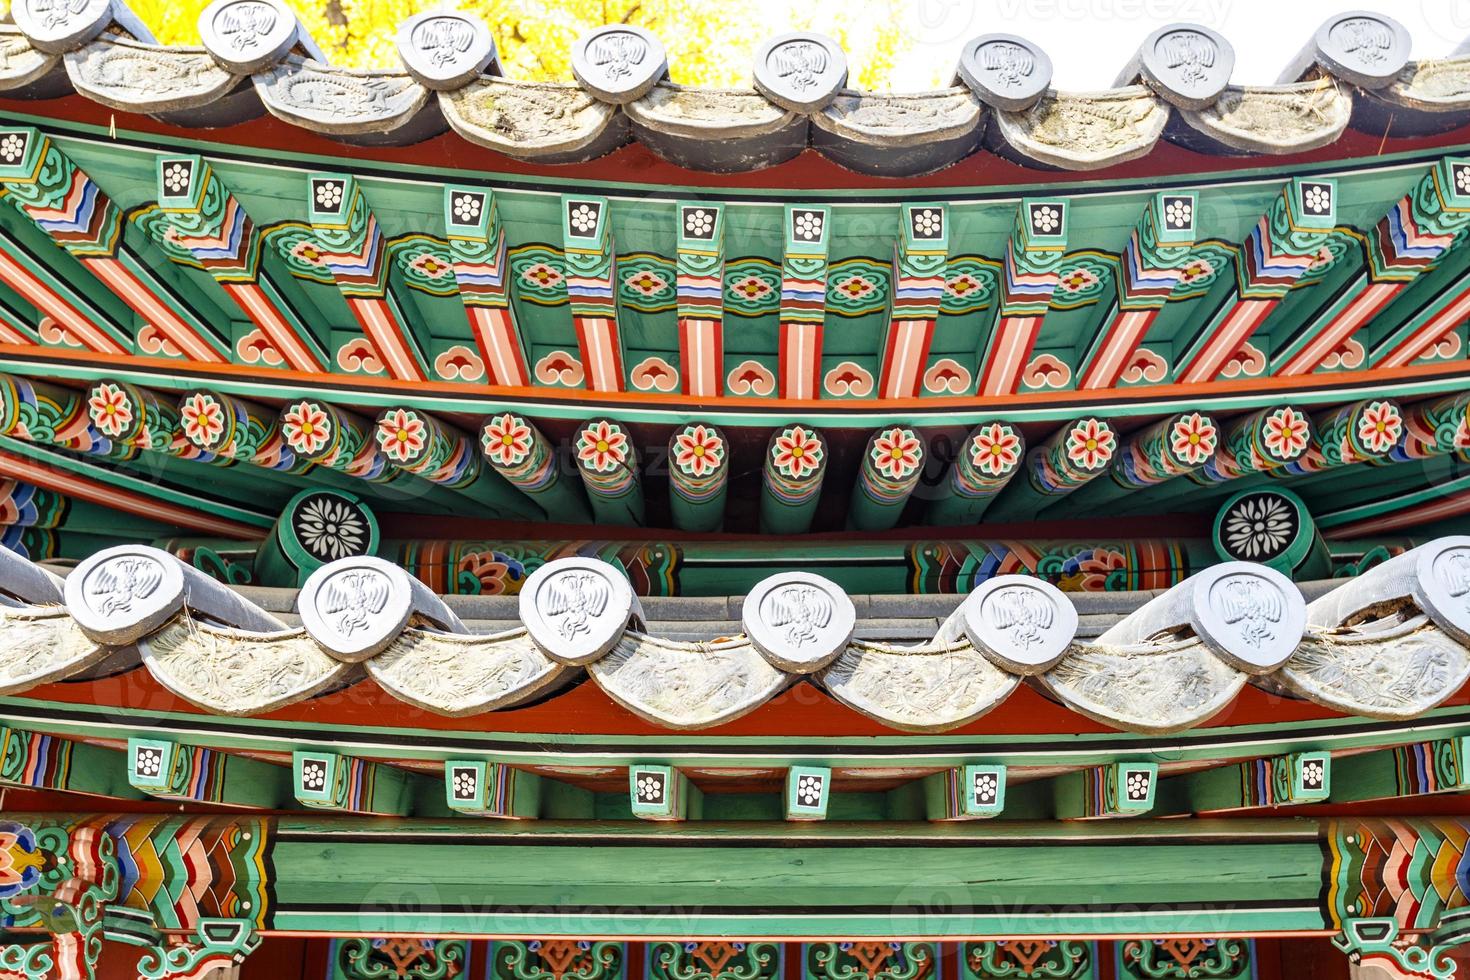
[(465, 783), (583, 218), (698, 223), (1314, 774), (1136, 785), (1046, 218), (13, 146), (986, 789), (807, 226), (465, 208), (148, 761), (927, 224), (651, 787), (809, 789), (314, 775), (1316, 198), (177, 177), (1460, 175), (328, 194), (1179, 213)]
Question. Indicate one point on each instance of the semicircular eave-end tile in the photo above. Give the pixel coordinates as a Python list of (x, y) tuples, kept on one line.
[(687, 686), (899, 135), (540, 122), (461, 674), (237, 672), (1273, 119), (798, 621), (135, 77), (1151, 689), (1084, 130), (931, 688), (716, 130), (341, 102)]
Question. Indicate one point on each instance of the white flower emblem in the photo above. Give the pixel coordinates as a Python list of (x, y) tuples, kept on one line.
[(1137, 785), (927, 223), (985, 787), (1178, 213), (313, 775), (1317, 198), (148, 762), (328, 194), (330, 529), (584, 218), (698, 222), (1312, 774), (175, 177), (809, 790), (1259, 527), (650, 788), (464, 784), (808, 226), (1462, 179), (12, 147), (466, 207), (1046, 219)]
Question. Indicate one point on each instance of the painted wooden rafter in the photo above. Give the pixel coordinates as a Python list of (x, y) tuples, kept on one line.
[(79, 216), (171, 770), (591, 289), (806, 235), (76, 317), (1029, 276), (125, 492), (1114, 789), (326, 780), (1157, 253), (355, 250), (233, 428), (918, 286), (1275, 781), (1282, 246), (35, 760), (55, 415), (1408, 241), (203, 219), (417, 443), (515, 448), (700, 284), (477, 245)]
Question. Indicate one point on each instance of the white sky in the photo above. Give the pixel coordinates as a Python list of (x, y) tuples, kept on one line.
[(1089, 40)]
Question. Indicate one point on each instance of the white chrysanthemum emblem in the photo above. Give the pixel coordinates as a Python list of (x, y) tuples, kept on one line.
[(1313, 774), (466, 207), (698, 222), (809, 790), (986, 787), (331, 529), (1179, 213), (1259, 527), (808, 226), (328, 194), (11, 147), (1138, 785), (1046, 219), (650, 789), (584, 218), (1462, 179), (464, 784)]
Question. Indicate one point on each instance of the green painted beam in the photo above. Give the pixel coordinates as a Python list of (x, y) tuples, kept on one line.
[(172, 770), (33, 760), (1283, 780)]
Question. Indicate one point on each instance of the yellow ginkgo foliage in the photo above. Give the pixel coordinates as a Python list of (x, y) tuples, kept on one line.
[(710, 42)]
